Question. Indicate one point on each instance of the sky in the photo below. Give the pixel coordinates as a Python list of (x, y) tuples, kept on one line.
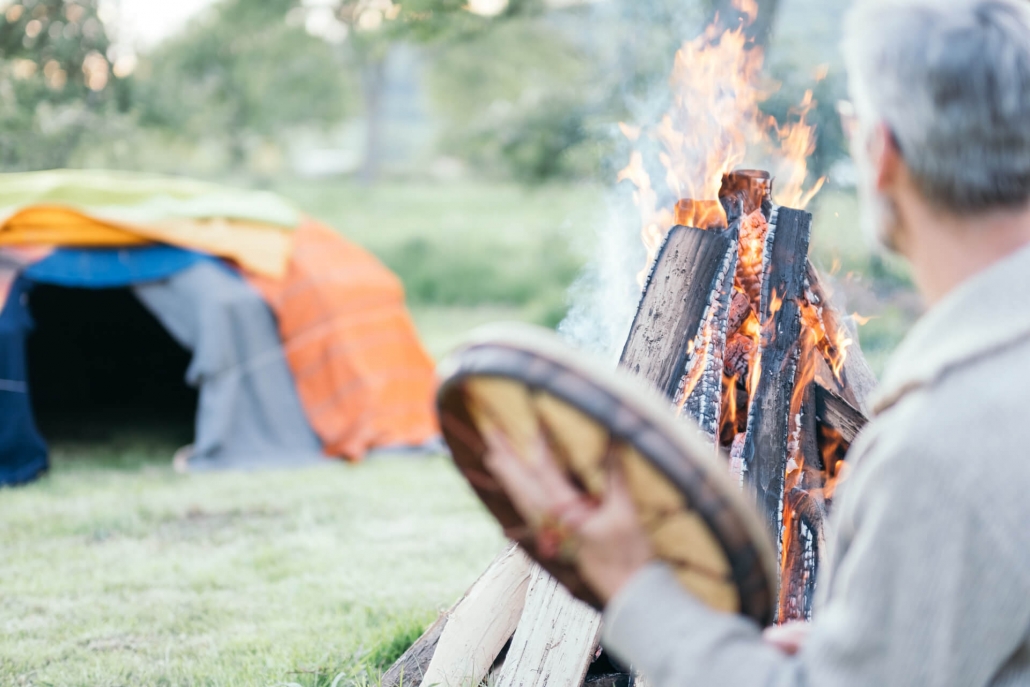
[(143, 23)]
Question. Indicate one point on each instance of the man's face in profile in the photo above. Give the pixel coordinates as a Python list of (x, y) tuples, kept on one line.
[(879, 216)]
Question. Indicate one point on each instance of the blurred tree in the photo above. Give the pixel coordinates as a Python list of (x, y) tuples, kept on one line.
[(519, 101), (367, 29), (55, 79), (243, 75)]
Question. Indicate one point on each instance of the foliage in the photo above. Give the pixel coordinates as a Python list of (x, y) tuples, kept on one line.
[(468, 245), (517, 102), (241, 76), (55, 80)]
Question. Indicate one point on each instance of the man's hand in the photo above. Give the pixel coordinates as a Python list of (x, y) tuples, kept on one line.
[(787, 638), (604, 540)]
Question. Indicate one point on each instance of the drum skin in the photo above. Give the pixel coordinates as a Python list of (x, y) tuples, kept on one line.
[(527, 383)]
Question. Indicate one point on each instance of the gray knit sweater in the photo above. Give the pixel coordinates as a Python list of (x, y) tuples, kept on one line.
[(927, 579)]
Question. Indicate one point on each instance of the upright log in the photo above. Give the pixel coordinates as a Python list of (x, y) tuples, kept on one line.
[(765, 450), (744, 191), (701, 386), (555, 641), (803, 519), (674, 302), (460, 647)]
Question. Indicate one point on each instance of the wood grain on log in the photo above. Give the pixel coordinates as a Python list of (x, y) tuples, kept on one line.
[(460, 647), (836, 413), (673, 304), (701, 395), (766, 443), (555, 641)]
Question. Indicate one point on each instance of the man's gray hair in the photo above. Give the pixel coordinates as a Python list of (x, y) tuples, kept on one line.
[(951, 79)]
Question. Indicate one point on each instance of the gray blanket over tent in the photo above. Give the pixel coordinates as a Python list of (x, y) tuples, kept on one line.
[(249, 414)]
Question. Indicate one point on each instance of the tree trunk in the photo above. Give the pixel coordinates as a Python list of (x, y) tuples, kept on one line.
[(374, 82)]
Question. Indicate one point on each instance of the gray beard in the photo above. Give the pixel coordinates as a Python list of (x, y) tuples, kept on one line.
[(879, 216)]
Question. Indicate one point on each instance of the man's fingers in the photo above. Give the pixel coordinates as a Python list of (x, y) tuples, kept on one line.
[(788, 638), (537, 486)]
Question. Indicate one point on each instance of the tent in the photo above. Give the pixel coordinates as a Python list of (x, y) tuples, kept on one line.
[(120, 291)]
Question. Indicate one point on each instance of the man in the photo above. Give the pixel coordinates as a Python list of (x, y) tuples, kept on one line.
[(928, 576)]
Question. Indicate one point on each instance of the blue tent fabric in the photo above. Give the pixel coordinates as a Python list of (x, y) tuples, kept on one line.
[(23, 453), (103, 268)]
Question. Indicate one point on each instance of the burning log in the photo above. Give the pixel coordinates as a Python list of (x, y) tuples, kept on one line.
[(676, 299), (745, 191), (770, 357), (837, 414), (765, 449), (854, 381), (803, 545)]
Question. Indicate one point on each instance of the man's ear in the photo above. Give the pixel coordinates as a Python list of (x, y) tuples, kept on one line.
[(886, 157)]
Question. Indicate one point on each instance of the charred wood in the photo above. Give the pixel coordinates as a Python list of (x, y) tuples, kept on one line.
[(703, 375), (837, 414), (857, 381), (744, 191), (803, 546), (766, 447), (675, 300)]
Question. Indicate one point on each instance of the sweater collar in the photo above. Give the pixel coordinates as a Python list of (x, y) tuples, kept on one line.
[(987, 312)]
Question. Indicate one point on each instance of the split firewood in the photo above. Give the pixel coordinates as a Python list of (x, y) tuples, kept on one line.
[(857, 381), (556, 639), (766, 446), (738, 355), (740, 310), (461, 646), (839, 415), (674, 303)]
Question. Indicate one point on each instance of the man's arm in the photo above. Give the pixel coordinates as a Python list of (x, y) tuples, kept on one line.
[(924, 593)]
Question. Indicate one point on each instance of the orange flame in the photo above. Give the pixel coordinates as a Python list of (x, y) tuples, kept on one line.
[(714, 125)]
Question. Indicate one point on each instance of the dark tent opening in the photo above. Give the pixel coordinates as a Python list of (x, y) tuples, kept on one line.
[(102, 367)]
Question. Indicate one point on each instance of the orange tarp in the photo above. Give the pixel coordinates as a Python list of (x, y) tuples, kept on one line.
[(363, 377)]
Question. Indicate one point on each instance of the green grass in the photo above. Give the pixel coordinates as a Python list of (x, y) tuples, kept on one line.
[(135, 575)]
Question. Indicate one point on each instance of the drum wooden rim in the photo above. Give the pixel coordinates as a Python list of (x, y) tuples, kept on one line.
[(631, 412)]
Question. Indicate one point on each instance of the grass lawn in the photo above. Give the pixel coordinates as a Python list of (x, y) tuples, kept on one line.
[(116, 571)]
